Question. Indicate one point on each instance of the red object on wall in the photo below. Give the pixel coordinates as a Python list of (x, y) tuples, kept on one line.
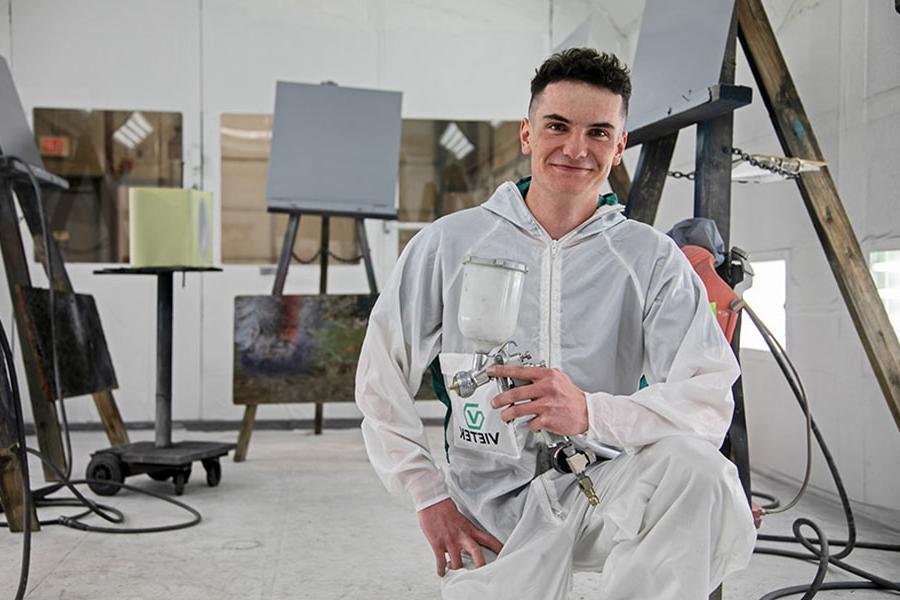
[(718, 291), (54, 145)]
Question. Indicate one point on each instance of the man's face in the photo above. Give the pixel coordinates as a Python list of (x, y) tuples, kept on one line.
[(575, 133)]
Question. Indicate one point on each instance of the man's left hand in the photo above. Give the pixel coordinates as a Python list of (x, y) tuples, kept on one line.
[(558, 405)]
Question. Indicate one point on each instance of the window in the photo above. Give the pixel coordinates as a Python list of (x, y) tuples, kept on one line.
[(250, 234), (767, 299), (446, 166), (885, 267), (101, 153)]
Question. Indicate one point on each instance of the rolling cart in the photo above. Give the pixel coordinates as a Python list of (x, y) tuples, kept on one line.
[(161, 459)]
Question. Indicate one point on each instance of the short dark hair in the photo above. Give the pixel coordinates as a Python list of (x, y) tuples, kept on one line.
[(600, 69)]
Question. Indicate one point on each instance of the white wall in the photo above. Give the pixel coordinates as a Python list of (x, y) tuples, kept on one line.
[(465, 60), (472, 60)]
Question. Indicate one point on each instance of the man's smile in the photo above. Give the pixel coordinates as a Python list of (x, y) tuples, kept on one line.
[(570, 168)]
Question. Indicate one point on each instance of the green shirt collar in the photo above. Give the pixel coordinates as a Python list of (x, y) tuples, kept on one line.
[(609, 199)]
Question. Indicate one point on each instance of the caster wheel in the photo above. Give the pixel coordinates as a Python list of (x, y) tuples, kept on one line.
[(213, 472), (104, 467), (180, 479)]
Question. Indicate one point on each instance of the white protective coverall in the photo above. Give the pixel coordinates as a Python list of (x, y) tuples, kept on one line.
[(611, 300)]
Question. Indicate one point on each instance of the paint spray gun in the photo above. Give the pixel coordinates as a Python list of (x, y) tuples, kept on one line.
[(488, 312)]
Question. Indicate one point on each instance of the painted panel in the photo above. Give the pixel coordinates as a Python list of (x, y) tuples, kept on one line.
[(297, 348), (77, 339)]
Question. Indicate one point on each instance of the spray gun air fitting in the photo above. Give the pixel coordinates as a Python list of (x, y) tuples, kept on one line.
[(465, 383), (488, 312)]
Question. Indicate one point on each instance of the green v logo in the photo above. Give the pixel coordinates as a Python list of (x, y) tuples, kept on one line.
[(474, 416)]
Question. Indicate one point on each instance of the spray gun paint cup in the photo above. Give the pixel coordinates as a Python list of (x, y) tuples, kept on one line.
[(489, 302)]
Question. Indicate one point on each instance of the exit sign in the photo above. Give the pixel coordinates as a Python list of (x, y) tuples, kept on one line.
[(54, 145)]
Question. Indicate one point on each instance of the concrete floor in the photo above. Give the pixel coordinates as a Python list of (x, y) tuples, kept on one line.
[(305, 517)]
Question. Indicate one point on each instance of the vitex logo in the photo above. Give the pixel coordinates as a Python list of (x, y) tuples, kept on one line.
[(474, 416)]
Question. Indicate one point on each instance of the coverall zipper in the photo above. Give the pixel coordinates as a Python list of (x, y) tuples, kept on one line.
[(549, 489), (554, 249)]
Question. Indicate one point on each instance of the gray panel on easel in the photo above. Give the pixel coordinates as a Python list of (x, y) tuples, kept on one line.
[(335, 150), (679, 57)]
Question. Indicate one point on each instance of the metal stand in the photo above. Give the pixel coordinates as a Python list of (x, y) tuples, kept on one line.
[(284, 263), (161, 459)]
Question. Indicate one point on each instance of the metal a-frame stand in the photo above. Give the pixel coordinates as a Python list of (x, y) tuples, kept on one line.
[(284, 262), (712, 195), (712, 199)]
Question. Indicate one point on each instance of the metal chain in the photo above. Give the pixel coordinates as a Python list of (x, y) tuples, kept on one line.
[(682, 175), (778, 169)]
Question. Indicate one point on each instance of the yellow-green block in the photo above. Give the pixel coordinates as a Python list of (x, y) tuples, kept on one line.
[(170, 227)]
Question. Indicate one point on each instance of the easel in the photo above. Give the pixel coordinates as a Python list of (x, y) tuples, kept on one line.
[(712, 195), (820, 195), (712, 199), (284, 262), (40, 384)]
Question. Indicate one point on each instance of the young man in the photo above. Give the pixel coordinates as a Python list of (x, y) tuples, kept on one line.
[(605, 301)]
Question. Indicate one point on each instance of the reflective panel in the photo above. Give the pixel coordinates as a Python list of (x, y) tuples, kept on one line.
[(101, 154), (447, 166)]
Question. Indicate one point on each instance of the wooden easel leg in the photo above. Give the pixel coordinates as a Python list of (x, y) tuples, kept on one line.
[(48, 431), (620, 181), (240, 453), (712, 177), (320, 418), (649, 179), (111, 419), (11, 493), (323, 289)]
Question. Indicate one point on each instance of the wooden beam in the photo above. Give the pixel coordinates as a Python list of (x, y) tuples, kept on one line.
[(620, 181), (822, 200), (712, 174), (649, 178), (11, 487), (240, 453), (111, 419)]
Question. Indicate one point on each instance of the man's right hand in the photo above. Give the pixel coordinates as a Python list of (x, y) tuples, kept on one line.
[(449, 532)]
